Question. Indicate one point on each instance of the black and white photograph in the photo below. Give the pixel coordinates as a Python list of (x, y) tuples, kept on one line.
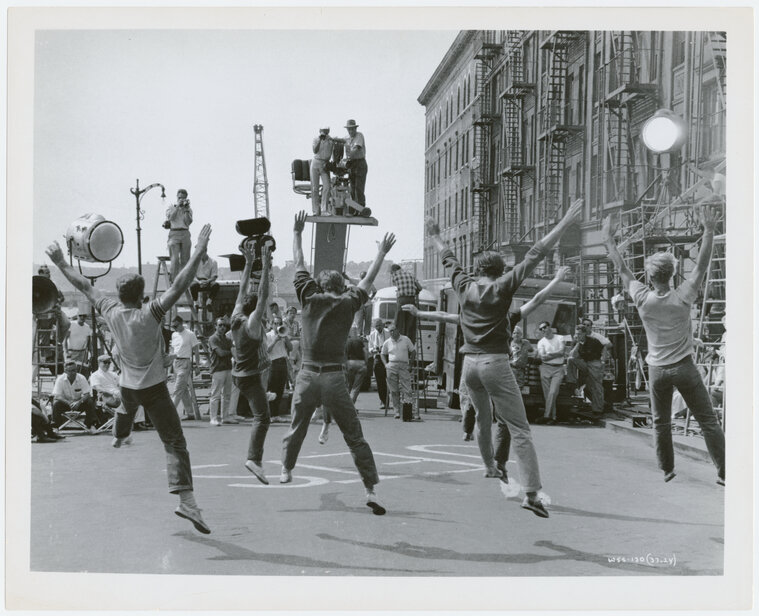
[(371, 309)]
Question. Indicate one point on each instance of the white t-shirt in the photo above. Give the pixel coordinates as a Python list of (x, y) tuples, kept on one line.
[(78, 335), (666, 319), (183, 342), (279, 350), (398, 350), (554, 345), (70, 392), (105, 381)]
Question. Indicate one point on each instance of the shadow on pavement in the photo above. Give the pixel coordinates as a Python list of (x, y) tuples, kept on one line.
[(331, 502), (623, 518), (232, 552)]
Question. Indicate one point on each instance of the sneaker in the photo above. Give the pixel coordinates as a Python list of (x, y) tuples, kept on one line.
[(493, 472), (502, 469), (669, 476), (193, 514), (720, 481), (468, 436), (257, 470), (285, 476), (118, 442), (324, 434), (373, 502), (397, 416), (229, 421), (535, 506), (215, 421)]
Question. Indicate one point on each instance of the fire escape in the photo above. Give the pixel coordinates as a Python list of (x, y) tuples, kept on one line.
[(555, 127), (484, 117), (517, 86)]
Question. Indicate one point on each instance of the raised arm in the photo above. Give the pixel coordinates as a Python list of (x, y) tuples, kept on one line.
[(607, 230), (244, 278), (79, 282), (183, 280), (553, 236), (543, 294), (365, 284), (300, 224), (256, 316), (709, 220), (433, 230), (433, 315)]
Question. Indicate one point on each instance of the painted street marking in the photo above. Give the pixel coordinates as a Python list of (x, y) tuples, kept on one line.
[(312, 481)]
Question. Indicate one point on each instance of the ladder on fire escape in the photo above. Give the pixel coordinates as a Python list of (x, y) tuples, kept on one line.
[(718, 43)]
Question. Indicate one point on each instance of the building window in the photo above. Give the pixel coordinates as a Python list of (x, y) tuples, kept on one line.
[(581, 94), (578, 181), (678, 48), (456, 208)]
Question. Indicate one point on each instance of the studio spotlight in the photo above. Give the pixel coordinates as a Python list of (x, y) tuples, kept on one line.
[(93, 238), (664, 132)]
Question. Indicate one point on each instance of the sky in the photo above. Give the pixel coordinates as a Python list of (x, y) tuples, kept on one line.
[(178, 107)]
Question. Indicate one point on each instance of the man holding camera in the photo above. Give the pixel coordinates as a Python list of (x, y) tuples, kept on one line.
[(178, 221), (322, 147)]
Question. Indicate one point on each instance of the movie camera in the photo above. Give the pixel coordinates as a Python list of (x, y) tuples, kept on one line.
[(256, 232)]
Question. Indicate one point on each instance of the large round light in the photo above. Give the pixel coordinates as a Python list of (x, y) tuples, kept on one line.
[(664, 132), (93, 238)]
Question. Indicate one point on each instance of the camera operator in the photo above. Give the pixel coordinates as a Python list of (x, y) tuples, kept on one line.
[(322, 147), (178, 221)]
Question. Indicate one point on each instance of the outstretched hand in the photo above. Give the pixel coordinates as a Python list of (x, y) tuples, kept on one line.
[(203, 237), (266, 256), (609, 228), (387, 243), (248, 252), (432, 227), (55, 253), (574, 210), (562, 272), (709, 217), (300, 222), (410, 308)]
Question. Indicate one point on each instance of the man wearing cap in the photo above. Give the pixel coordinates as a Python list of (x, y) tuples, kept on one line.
[(322, 147), (76, 343), (106, 384), (355, 156), (136, 328)]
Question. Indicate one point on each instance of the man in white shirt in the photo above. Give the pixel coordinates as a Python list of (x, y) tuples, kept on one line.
[(71, 392), (377, 338), (279, 346), (397, 353), (551, 350), (322, 148), (184, 344), (77, 341)]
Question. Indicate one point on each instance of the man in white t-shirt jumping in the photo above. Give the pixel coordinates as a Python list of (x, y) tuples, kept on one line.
[(136, 328), (666, 316)]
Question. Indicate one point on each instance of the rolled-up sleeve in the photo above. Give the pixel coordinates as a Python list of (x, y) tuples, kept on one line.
[(510, 281), (459, 278)]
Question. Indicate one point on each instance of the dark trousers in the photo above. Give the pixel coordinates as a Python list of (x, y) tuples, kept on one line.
[(683, 375), (277, 382), (163, 415), (380, 374), (253, 389), (405, 321), (210, 290), (357, 177), (88, 407)]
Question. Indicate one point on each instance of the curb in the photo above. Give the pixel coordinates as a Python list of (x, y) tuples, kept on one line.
[(692, 451)]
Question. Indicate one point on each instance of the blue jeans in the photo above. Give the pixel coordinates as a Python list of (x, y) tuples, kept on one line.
[(163, 415), (489, 377), (252, 388), (683, 375), (330, 390)]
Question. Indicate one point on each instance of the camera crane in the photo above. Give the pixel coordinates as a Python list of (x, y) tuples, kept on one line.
[(260, 183)]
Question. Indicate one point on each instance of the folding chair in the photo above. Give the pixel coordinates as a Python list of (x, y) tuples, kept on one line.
[(75, 420), (105, 409)]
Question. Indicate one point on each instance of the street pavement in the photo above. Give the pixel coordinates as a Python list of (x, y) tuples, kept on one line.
[(99, 509)]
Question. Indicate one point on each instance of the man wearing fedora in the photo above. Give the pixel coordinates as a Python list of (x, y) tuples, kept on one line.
[(355, 157)]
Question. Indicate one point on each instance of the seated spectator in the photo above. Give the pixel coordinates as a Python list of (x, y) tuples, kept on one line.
[(72, 393), (205, 281), (42, 429)]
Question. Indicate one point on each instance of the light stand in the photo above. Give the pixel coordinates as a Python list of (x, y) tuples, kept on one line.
[(138, 195)]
